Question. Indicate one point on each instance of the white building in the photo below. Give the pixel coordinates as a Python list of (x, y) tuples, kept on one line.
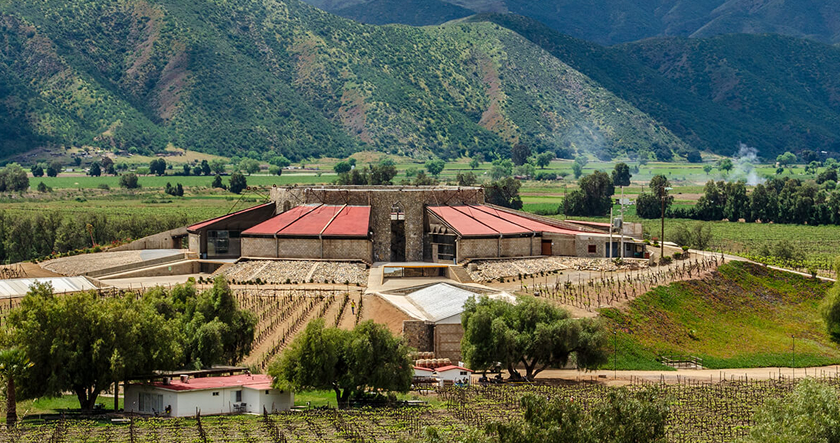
[(208, 395), (421, 372), (454, 374)]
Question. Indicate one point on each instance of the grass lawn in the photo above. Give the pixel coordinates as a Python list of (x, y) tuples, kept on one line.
[(54, 405), (743, 316)]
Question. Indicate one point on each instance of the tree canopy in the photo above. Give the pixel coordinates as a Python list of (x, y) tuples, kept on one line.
[(810, 414), (346, 362), (594, 196), (621, 175), (532, 332), (504, 192), (435, 166)]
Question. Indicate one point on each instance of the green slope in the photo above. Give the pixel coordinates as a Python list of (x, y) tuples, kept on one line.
[(771, 92), (284, 77), (743, 315), (420, 12)]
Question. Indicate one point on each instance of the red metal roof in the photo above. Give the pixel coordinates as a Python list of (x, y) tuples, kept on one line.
[(206, 223), (256, 381), (312, 221), (526, 222), (452, 368), (481, 221)]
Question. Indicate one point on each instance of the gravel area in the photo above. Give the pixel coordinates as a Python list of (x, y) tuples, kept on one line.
[(489, 270), (300, 271), (80, 264)]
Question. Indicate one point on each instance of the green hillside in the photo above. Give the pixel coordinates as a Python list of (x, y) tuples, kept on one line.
[(743, 315), (420, 12), (771, 92), (283, 77), (619, 21)]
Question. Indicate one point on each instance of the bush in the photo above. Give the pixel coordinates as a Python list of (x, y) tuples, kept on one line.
[(810, 414), (129, 181)]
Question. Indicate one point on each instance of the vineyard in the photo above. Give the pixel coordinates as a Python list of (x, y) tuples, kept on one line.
[(699, 412), (282, 313)]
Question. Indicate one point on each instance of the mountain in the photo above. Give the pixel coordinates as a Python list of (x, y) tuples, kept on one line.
[(771, 92), (282, 77), (421, 12), (620, 21)]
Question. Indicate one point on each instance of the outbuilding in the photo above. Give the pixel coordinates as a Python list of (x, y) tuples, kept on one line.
[(454, 374), (184, 397)]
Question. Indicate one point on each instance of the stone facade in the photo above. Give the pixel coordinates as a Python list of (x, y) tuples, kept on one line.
[(448, 341), (311, 248), (419, 335), (586, 243), (561, 244), (410, 200), (259, 247)]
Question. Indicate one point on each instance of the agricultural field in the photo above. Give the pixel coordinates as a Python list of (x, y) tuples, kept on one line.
[(698, 412)]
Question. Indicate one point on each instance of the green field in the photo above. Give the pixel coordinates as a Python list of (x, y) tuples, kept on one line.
[(741, 316)]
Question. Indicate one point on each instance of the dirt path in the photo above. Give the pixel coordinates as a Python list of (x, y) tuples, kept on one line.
[(348, 319)]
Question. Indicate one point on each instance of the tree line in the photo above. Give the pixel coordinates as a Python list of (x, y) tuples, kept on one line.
[(86, 342), (27, 236)]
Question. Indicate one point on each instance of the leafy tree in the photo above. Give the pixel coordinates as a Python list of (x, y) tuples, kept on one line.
[(693, 156), (14, 364), (342, 167), (725, 165), (624, 416), (466, 179), (527, 170), (205, 167), (346, 362), (501, 168), (54, 169), (37, 170), (435, 166), (43, 188), (76, 161), (237, 183), (830, 306), (177, 191), (830, 174), (475, 162), (650, 205), (707, 169), (382, 173), (129, 181), (519, 154), (280, 161), (698, 236), (811, 168), (186, 170), (663, 153), (532, 332), (157, 166), (217, 166), (249, 165), (275, 170), (13, 178), (107, 163), (788, 158), (504, 192), (810, 414), (84, 343), (577, 170), (421, 179), (593, 198), (95, 170), (544, 159), (621, 175)]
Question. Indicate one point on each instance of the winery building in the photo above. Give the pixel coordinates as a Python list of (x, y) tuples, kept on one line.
[(440, 224)]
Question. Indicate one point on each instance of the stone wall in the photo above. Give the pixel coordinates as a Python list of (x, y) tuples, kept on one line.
[(419, 335), (195, 243), (411, 199), (259, 247), (348, 249), (518, 247), (299, 248), (165, 240), (468, 248), (563, 245), (448, 341), (583, 241)]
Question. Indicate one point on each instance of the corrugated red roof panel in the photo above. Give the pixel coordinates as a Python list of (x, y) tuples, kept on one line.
[(463, 223), (206, 223), (452, 368), (353, 221), (256, 381), (526, 222), (310, 221), (481, 221), (279, 221)]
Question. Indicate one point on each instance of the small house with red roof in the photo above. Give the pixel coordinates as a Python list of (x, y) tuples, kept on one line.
[(185, 396), (454, 374)]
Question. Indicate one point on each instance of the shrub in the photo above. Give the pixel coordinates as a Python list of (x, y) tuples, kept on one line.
[(810, 414)]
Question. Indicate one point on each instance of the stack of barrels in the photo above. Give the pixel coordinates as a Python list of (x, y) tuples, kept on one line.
[(428, 360)]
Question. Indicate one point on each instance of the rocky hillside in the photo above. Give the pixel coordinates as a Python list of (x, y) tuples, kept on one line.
[(284, 77)]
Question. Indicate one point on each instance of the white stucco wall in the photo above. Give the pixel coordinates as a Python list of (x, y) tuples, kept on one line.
[(454, 374), (185, 403)]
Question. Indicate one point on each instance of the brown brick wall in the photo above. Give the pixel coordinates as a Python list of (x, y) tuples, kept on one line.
[(299, 248), (477, 248), (561, 244), (259, 247), (348, 249), (419, 335), (517, 247), (448, 342)]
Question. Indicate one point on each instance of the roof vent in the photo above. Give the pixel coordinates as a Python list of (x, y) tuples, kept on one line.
[(185, 378)]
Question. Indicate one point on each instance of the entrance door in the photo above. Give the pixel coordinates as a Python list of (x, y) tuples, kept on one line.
[(546, 247), (397, 233)]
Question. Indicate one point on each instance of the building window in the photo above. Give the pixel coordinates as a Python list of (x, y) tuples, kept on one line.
[(266, 392), (238, 396), (463, 373), (150, 403), (593, 249), (215, 394)]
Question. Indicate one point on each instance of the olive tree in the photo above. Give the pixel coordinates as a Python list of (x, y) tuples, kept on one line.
[(532, 333), (346, 362)]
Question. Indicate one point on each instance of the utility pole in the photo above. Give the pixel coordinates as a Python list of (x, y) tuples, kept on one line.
[(621, 230), (611, 232), (662, 229)]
